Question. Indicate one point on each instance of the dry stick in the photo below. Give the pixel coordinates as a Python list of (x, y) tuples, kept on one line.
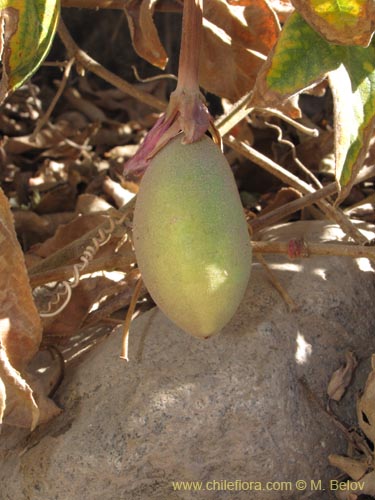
[(91, 65), (44, 119), (115, 262), (235, 114), (167, 6), (288, 178), (327, 249), (277, 284), (312, 132), (129, 314), (279, 213), (240, 110), (74, 249)]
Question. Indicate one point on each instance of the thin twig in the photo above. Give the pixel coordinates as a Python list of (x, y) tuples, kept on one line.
[(279, 213), (237, 112), (277, 284), (44, 119), (165, 6), (313, 249), (240, 110), (156, 78), (121, 262), (91, 65), (126, 328), (292, 147), (290, 179), (312, 132)]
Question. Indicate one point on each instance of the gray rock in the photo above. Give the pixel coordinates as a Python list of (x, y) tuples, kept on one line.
[(246, 405)]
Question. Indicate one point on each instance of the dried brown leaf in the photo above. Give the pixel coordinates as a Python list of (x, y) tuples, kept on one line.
[(88, 204), (365, 486), (236, 39), (21, 409), (342, 377), (21, 341), (144, 34), (119, 194), (282, 8), (2, 400), (68, 233), (20, 333), (84, 296), (62, 197), (47, 137), (355, 469), (85, 106), (366, 405)]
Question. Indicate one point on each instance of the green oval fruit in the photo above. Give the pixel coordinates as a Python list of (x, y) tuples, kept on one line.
[(190, 236)]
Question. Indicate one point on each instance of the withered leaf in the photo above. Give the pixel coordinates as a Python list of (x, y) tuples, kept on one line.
[(341, 377), (143, 32), (355, 469), (2, 400), (282, 8), (21, 409), (66, 233), (348, 22), (84, 296), (366, 405), (21, 340), (352, 490), (20, 333), (236, 39)]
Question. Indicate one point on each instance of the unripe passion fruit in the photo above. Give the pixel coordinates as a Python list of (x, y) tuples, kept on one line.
[(190, 236)]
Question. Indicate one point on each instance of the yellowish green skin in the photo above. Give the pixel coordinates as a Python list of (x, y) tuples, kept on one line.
[(190, 236)]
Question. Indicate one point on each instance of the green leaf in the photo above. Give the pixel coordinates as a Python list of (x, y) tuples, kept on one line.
[(353, 88), (347, 22), (26, 33), (301, 57)]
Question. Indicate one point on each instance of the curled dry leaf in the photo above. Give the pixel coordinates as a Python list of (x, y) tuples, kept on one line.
[(67, 233), (2, 399), (355, 469), (88, 292), (20, 330), (342, 377), (21, 341), (237, 40), (366, 405), (20, 406), (144, 34), (352, 490), (119, 194), (361, 470), (282, 8)]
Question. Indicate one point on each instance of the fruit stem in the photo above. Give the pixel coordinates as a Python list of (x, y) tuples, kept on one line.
[(191, 37), (186, 111)]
